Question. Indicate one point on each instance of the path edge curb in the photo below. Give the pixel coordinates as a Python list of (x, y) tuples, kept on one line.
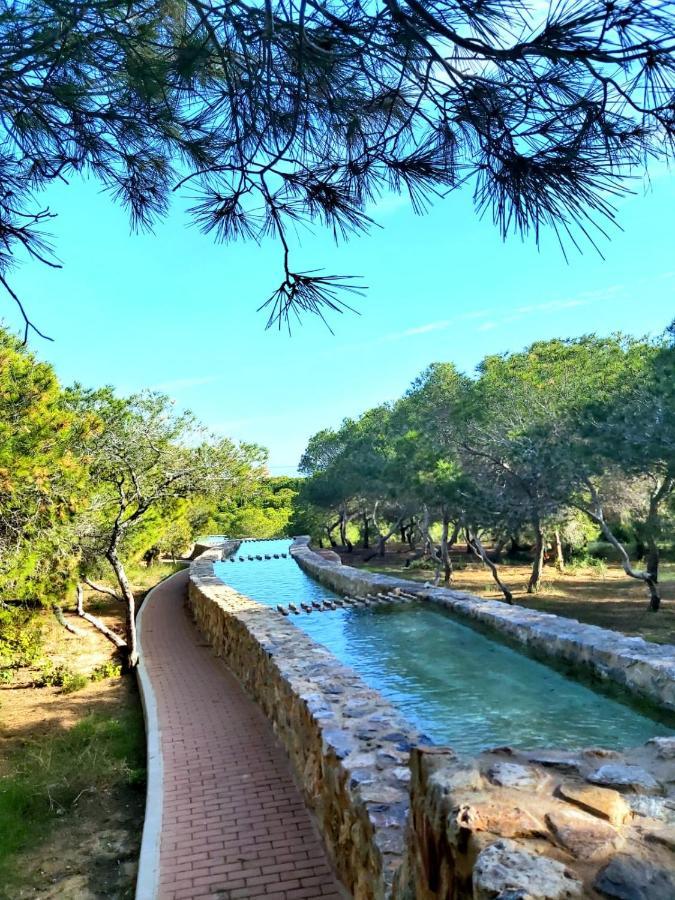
[(147, 879)]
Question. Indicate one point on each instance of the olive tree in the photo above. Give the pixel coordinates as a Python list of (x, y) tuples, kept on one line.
[(625, 446)]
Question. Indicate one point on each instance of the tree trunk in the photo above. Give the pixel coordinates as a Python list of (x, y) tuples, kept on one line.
[(130, 606), (345, 519), (498, 549), (558, 551), (514, 546), (366, 532), (597, 515), (411, 534), (446, 544), (538, 564), (654, 597), (473, 541), (329, 532), (383, 538), (60, 618), (653, 559), (114, 638), (427, 543)]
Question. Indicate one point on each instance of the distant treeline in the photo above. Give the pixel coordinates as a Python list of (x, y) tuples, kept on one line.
[(565, 441)]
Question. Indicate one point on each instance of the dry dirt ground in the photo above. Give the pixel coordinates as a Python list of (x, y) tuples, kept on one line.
[(92, 851), (607, 598)]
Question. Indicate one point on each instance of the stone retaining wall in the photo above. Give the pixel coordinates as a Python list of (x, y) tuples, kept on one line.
[(348, 747), (644, 669), (545, 825), (412, 822)]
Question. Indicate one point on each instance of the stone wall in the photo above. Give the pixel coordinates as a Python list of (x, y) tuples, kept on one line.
[(644, 669), (542, 825), (348, 747), (545, 825), (406, 821)]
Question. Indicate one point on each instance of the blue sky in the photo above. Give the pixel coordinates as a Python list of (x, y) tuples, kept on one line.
[(176, 312)]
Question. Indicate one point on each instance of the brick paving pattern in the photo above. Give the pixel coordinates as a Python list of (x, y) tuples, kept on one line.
[(234, 824)]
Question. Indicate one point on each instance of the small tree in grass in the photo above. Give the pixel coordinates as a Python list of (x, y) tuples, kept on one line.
[(625, 456), (145, 457)]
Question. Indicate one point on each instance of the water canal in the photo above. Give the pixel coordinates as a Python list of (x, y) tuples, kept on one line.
[(454, 683)]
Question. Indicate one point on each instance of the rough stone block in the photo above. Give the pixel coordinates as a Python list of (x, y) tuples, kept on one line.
[(664, 835), (665, 747), (514, 775), (502, 819), (604, 802), (624, 777), (504, 868), (584, 836), (652, 807), (628, 878)]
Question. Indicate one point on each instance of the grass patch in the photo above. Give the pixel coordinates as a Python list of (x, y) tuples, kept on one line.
[(143, 578), (46, 779)]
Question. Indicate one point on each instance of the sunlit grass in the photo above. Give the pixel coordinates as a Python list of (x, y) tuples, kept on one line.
[(46, 779)]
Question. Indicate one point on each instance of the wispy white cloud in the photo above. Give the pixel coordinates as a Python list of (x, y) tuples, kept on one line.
[(424, 329), (487, 326), (231, 426), (441, 325)]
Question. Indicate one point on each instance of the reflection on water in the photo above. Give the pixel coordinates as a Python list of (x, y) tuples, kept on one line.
[(455, 684)]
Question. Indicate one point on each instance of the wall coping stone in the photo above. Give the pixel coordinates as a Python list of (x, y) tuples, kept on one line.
[(642, 668)]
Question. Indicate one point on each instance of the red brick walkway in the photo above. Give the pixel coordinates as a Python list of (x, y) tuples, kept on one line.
[(234, 824)]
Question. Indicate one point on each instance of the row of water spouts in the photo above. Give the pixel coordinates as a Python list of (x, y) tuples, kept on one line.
[(382, 599), (259, 557)]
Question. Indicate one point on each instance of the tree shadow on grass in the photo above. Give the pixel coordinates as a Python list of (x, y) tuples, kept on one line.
[(72, 799)]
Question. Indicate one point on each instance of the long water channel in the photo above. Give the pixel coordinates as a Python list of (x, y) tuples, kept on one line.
[(454, 683)]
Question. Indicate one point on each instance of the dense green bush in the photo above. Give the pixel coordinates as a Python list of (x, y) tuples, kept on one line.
[(21, 639)]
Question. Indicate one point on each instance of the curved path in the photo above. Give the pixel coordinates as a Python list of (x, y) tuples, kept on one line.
[(225, 819)]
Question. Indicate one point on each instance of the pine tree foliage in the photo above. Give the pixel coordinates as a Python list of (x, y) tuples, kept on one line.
[(275, 113)]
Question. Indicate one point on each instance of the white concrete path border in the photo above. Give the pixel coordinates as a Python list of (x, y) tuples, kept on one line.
[(147, 880)]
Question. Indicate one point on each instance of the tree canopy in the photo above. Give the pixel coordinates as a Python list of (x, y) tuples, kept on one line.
[(91, 482), (272, 114), (42, 482), (523, 447)]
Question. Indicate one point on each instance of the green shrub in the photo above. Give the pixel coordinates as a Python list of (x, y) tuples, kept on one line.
[(584, 561), (605, 550), (106, 670), (423, 563), (21, 638), (73, 681), (63, 677)]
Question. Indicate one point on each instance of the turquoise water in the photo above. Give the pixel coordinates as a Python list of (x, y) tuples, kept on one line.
[(271, 581), (455, 684)]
